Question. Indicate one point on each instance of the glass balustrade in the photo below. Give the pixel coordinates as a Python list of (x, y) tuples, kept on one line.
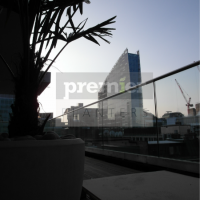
[(160, 118), (178, 115)]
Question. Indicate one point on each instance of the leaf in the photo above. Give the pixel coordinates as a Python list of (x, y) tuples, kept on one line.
[(61, 37), (42, 22), (82, 26), (36, 32), (44, 32), (98, 35), (70, 19), (81, 7), (58, 19), (44, 27), (52, 20), (57, 25), (108, 29), (49, 39), (69, 11), (74, 7), (61, 30), (109, 21), (104, 39), (89, 37)]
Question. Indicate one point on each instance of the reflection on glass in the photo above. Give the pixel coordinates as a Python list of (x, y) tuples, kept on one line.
[(178, 111), (83, 123), (129, 122)]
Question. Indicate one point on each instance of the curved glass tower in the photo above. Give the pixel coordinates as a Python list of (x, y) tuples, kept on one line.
[(124, 110)]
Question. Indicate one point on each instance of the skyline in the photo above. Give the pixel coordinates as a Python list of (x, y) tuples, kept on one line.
[(165, 33)]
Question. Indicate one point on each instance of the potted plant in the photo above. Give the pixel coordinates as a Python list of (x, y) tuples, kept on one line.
[(38, 169)]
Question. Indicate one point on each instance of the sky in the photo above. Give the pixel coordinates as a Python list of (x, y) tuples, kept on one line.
[(165, 32)]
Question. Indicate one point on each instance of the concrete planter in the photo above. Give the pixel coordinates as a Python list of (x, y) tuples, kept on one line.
[(41, 169)]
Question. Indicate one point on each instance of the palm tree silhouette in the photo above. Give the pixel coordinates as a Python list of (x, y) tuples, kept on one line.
[(40, 28)]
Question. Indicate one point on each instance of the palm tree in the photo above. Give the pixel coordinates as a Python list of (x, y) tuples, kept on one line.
[(40, 27)]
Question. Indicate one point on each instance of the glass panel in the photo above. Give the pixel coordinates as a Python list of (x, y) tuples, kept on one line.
[(178, 111), (129, 122), (84, 123)]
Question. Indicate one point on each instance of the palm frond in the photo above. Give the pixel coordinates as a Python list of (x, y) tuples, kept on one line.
[(98, 30), (89, 37)]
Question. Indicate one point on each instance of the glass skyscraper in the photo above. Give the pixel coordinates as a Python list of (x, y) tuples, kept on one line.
[(125, 110)]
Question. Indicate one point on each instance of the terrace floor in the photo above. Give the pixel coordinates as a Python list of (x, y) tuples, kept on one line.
[(95, 168), (104, 179)]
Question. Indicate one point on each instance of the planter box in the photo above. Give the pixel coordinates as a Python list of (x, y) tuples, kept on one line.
[(41, 169)]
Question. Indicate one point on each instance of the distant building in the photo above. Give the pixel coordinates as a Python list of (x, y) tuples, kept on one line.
[(86, 117), (149, 119), (192, 121), (174, 130), (192, 112), (172, 114), (197, 106), (82, 123), (171, 117)]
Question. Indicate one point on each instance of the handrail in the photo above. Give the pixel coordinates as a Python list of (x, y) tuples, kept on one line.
[(136, 86)]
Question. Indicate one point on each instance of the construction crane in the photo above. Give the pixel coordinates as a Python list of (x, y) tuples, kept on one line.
[(187, 101)]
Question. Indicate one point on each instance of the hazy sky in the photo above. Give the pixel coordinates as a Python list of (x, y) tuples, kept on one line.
[(166, 32)]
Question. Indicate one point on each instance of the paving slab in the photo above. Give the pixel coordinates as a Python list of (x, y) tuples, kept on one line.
[(159, 185)]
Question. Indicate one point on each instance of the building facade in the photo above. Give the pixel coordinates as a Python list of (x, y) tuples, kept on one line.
[(125, 110)]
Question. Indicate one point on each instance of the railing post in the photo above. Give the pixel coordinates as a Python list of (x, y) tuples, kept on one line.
[(102, 126), (155, 103)]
